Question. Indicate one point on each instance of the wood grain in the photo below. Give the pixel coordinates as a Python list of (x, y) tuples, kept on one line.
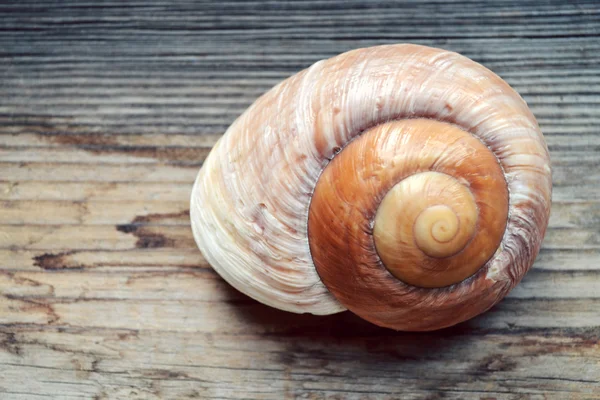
[(107, 110)]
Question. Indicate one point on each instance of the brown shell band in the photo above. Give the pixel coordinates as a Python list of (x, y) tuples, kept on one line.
[(347, 255)]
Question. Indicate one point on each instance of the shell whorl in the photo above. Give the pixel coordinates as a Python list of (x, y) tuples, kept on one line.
[(306, 202)]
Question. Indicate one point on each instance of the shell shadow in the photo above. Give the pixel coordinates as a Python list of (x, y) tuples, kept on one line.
[(305, 334)]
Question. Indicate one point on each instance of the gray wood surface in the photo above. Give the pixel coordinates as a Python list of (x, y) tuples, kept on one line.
[(107, 109)]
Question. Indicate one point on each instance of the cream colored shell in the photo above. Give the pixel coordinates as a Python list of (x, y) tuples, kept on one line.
[(250, 202)]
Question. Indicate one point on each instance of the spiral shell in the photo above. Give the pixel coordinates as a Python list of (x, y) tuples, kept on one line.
[(407, 184)]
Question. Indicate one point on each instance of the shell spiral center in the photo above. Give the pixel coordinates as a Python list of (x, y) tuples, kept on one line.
[(435, 224), (430, 213)]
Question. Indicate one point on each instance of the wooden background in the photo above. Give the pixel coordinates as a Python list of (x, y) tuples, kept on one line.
[(107, 109)]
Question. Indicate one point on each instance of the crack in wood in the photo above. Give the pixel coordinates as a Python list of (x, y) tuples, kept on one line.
[(57, 261), (10, 343), (147, 236), (28, 305)]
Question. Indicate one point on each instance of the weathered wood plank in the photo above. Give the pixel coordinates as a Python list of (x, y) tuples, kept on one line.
[(148, 212), (74, 172), (103, 237), (125, 260), (94, 191), (169, 258), (202, 285), (191, 284), (107, 155), (568, 168), (215, 115), (106, 260), (106, 113), (23, 136), (180, 191), (307, 367), (246, 316), (88, 146), (130, 236), (109, 213)]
